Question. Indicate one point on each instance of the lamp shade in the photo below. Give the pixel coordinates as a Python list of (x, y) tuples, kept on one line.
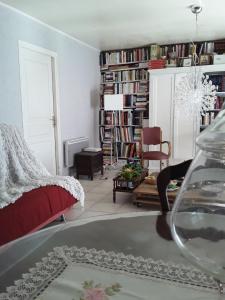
[(113, 102)]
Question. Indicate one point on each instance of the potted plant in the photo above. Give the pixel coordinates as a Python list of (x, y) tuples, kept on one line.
[(131, 172)]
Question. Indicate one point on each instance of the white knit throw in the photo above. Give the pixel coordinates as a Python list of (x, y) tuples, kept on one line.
[(21, 171)]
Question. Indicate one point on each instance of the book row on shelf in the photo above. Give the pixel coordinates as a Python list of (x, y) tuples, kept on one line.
[(120, 118), (125, 88), (124, 56), (183, 50), (129, 75), (208, 117), (128, 150), (120, 134), (154, 51), (124, 151), (124, 134)]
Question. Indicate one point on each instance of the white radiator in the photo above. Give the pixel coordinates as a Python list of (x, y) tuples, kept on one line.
[(73, 146)]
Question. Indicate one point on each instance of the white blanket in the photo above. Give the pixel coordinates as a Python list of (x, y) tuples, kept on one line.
[(20, 170)]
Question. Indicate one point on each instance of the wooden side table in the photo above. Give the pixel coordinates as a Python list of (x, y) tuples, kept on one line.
[(148, 194), (123, 185), (87, 163)]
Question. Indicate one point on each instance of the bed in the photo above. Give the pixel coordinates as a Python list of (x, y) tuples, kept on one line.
[(32, 211), (30, 197)]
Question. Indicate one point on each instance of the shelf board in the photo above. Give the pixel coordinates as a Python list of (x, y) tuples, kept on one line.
[(125, 108), (124, 81), (123, 69), (124, 142), (112, 126), (138, 94), (125, 63)]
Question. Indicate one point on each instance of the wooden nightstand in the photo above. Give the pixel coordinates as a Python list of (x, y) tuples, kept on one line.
[(87, 163)]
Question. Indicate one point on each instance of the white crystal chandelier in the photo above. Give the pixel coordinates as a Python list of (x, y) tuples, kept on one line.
[(195, 93)]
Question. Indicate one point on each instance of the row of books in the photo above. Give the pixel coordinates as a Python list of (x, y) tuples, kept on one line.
[(107, 149), (131, 100), (124, 134), (140, 74), (119, 134), (106, 134), (116, 118), (138, 117), (184, 50), (121, 118), (125, 88), (207, 118), (129, 150), (141, 105), (124, 56), (155, 51)]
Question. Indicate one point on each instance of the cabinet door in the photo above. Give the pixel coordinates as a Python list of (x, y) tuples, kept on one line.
[(160, 107), (185, 130)]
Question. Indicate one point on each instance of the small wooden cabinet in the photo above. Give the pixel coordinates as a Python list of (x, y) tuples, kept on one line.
[(87, 163)]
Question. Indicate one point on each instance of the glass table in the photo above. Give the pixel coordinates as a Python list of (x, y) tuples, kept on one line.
[(126, 256)]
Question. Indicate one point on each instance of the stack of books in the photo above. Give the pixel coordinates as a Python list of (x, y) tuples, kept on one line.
[(157, 64)]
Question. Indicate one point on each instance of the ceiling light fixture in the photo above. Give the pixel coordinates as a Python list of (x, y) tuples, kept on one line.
[(194, 93)]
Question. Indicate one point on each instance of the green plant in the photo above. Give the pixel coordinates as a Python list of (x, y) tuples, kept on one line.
[(131, 171)]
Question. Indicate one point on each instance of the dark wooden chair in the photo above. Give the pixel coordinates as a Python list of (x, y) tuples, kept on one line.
[(153, 136), (164, 177)]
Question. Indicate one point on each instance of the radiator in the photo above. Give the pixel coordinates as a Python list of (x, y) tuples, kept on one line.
[(73, 146)]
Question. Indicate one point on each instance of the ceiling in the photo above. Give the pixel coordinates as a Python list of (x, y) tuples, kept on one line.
[(112, 24)]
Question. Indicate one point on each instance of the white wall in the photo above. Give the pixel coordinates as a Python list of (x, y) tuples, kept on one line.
[(79, 75)]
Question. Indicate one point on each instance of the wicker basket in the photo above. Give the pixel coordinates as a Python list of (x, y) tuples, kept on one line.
[(151, 181)]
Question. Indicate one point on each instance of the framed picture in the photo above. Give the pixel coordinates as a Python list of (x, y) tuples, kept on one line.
[(186, 62), (204, 59)]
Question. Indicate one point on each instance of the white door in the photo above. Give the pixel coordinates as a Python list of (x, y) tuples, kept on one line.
[(38, 105)]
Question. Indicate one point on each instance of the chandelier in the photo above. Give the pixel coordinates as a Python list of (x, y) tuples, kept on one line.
[(195, 93)]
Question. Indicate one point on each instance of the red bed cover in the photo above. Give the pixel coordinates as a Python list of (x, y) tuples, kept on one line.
[(32, 211)]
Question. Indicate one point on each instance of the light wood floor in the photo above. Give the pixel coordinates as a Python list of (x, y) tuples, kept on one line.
[(99, 199)]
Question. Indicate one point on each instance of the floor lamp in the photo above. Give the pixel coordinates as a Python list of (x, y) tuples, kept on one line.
[(114, 103)]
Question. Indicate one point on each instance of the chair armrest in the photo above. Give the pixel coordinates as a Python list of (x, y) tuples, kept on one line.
[(169, 146)]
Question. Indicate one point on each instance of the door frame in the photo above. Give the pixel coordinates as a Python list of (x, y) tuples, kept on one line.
[(55, 85)]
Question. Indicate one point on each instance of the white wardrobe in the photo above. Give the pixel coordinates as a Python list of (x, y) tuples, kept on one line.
[(176, 128)]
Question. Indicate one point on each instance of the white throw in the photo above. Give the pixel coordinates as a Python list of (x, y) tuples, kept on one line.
[(21, 171)]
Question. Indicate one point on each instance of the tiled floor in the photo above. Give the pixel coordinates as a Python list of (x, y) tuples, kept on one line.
[(99, 199)]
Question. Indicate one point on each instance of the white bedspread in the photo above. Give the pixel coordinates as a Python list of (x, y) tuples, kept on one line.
[(20, 170)]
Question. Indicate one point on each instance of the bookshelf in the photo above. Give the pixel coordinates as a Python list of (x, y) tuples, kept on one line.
[(181, 54), (124, 72), (218, 79)]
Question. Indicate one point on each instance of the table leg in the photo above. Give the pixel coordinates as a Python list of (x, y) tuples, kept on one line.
[(114, 196)]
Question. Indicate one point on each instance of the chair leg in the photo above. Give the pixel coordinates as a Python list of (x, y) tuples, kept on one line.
[(142, 162)]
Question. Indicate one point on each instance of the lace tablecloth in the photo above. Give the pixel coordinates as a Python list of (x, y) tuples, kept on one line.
[(88, 274)]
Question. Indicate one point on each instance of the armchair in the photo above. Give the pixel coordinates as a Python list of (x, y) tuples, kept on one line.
[(153, 136)]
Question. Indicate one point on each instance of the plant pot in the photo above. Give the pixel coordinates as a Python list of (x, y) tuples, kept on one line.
[(130, 184)]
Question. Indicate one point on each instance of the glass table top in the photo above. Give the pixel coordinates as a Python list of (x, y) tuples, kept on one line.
[(140, 237)]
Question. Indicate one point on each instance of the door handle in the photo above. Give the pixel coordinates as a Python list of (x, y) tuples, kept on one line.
[(53, 119)]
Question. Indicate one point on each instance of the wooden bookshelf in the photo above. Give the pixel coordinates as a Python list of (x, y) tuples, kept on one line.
[(125, 71)]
